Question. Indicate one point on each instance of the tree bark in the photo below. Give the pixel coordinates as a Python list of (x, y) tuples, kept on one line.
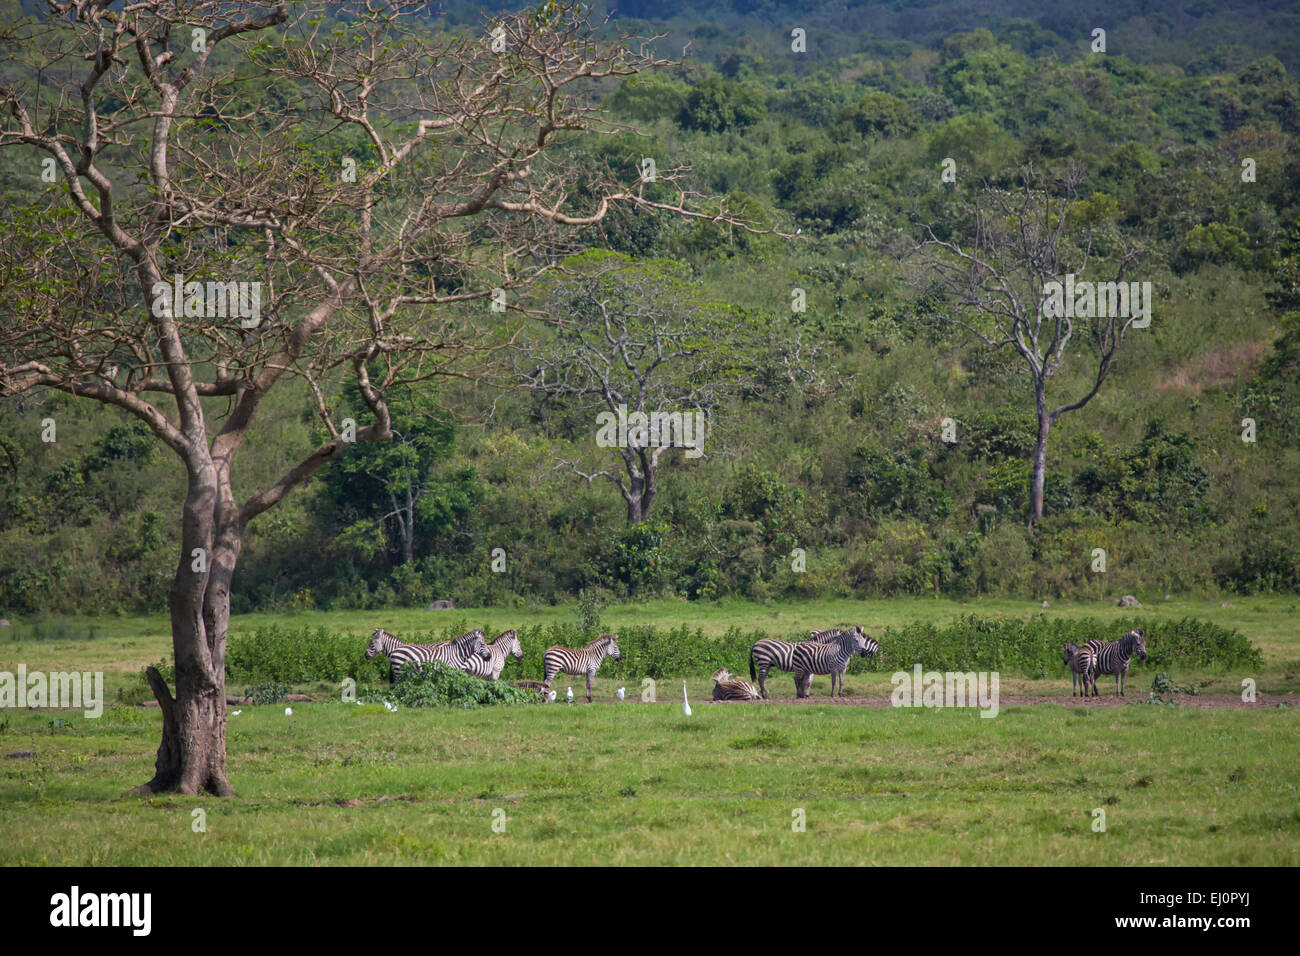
[(192, 755), (1040, 460)]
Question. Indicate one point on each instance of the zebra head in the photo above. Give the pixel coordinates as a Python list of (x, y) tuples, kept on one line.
[(509, 640), (611, 646), (473, 643), (1137, 640), (377, 642), (1071, 649), (870, 646)]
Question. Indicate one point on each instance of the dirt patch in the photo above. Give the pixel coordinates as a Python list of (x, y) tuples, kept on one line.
[(1202, 701), (1218, 368)]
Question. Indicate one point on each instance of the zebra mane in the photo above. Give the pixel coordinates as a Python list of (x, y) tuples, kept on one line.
[(506, 634), (603, 639)]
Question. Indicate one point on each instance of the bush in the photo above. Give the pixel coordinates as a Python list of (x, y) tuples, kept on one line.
[(1033, 647), (296, 655), (437, 686)]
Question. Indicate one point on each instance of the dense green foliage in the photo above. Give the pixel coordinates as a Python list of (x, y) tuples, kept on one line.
[(834, 446), (1029, 648), (436, 686)]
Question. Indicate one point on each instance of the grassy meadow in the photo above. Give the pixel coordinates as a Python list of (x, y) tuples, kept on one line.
[(339, 783)]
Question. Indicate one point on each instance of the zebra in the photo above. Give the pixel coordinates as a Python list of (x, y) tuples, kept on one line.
[(1112, 657), (452, 653), (831, 657), (725, 687), (772, 654), (586, 660), (504, 645), (1080, 662), (821, 637)]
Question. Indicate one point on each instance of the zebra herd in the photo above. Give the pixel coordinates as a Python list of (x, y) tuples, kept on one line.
[(472, 654), (824, 652), (1104, 657)]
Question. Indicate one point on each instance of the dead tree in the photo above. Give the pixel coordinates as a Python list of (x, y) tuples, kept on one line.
[(1013, 284)]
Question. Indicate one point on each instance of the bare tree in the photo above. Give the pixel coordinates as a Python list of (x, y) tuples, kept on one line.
[(382, 180), (648, 356), (1013, 286)]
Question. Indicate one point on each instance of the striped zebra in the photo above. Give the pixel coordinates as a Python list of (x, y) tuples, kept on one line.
[(1112, 657), (505, 644), (725, 687), (769, 654), (586, 660), (829, 657), (452, 653), (772, 654), (821, 637), (1080, 662)]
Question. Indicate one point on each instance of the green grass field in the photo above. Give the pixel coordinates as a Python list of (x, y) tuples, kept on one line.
[(337, 783)]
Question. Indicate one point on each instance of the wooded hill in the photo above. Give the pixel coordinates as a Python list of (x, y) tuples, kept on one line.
[(827, 425)]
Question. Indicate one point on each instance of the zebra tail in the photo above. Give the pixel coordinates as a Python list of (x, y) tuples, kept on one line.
[(753, 675)]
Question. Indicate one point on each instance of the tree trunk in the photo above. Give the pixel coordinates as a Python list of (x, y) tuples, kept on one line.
[(408, 530), (192, 755), (1040, 461)]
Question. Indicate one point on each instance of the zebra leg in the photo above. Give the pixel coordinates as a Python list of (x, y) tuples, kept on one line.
[(762, 678), (590, 675)]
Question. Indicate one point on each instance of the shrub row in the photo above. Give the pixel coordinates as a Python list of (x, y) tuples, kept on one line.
[(1027, 647)]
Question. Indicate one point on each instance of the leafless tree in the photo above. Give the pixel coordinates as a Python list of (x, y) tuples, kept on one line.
[(629, 340), (993, 288), (378, 177)]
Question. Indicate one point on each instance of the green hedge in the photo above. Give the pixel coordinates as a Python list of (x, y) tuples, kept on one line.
[(436, 686), (1026, 647)]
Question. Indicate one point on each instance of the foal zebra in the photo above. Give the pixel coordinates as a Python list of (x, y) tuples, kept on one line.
[(829, 657), (586, 660), (725, 687), (452, 653), (1112, 657), (1080, 662), (503, 645)]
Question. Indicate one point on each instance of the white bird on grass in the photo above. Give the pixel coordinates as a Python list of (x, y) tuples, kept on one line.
[(288, 712), (550, 698), (619, 693), (569, 696), (686, 704), (235, 713)]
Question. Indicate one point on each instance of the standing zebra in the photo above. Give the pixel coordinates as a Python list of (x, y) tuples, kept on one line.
[(452, 653), (586, 660), (821, 637), (503, 645), (725, 687), (770, 653), (1080, 662), (831, 657), (1112, 657)]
